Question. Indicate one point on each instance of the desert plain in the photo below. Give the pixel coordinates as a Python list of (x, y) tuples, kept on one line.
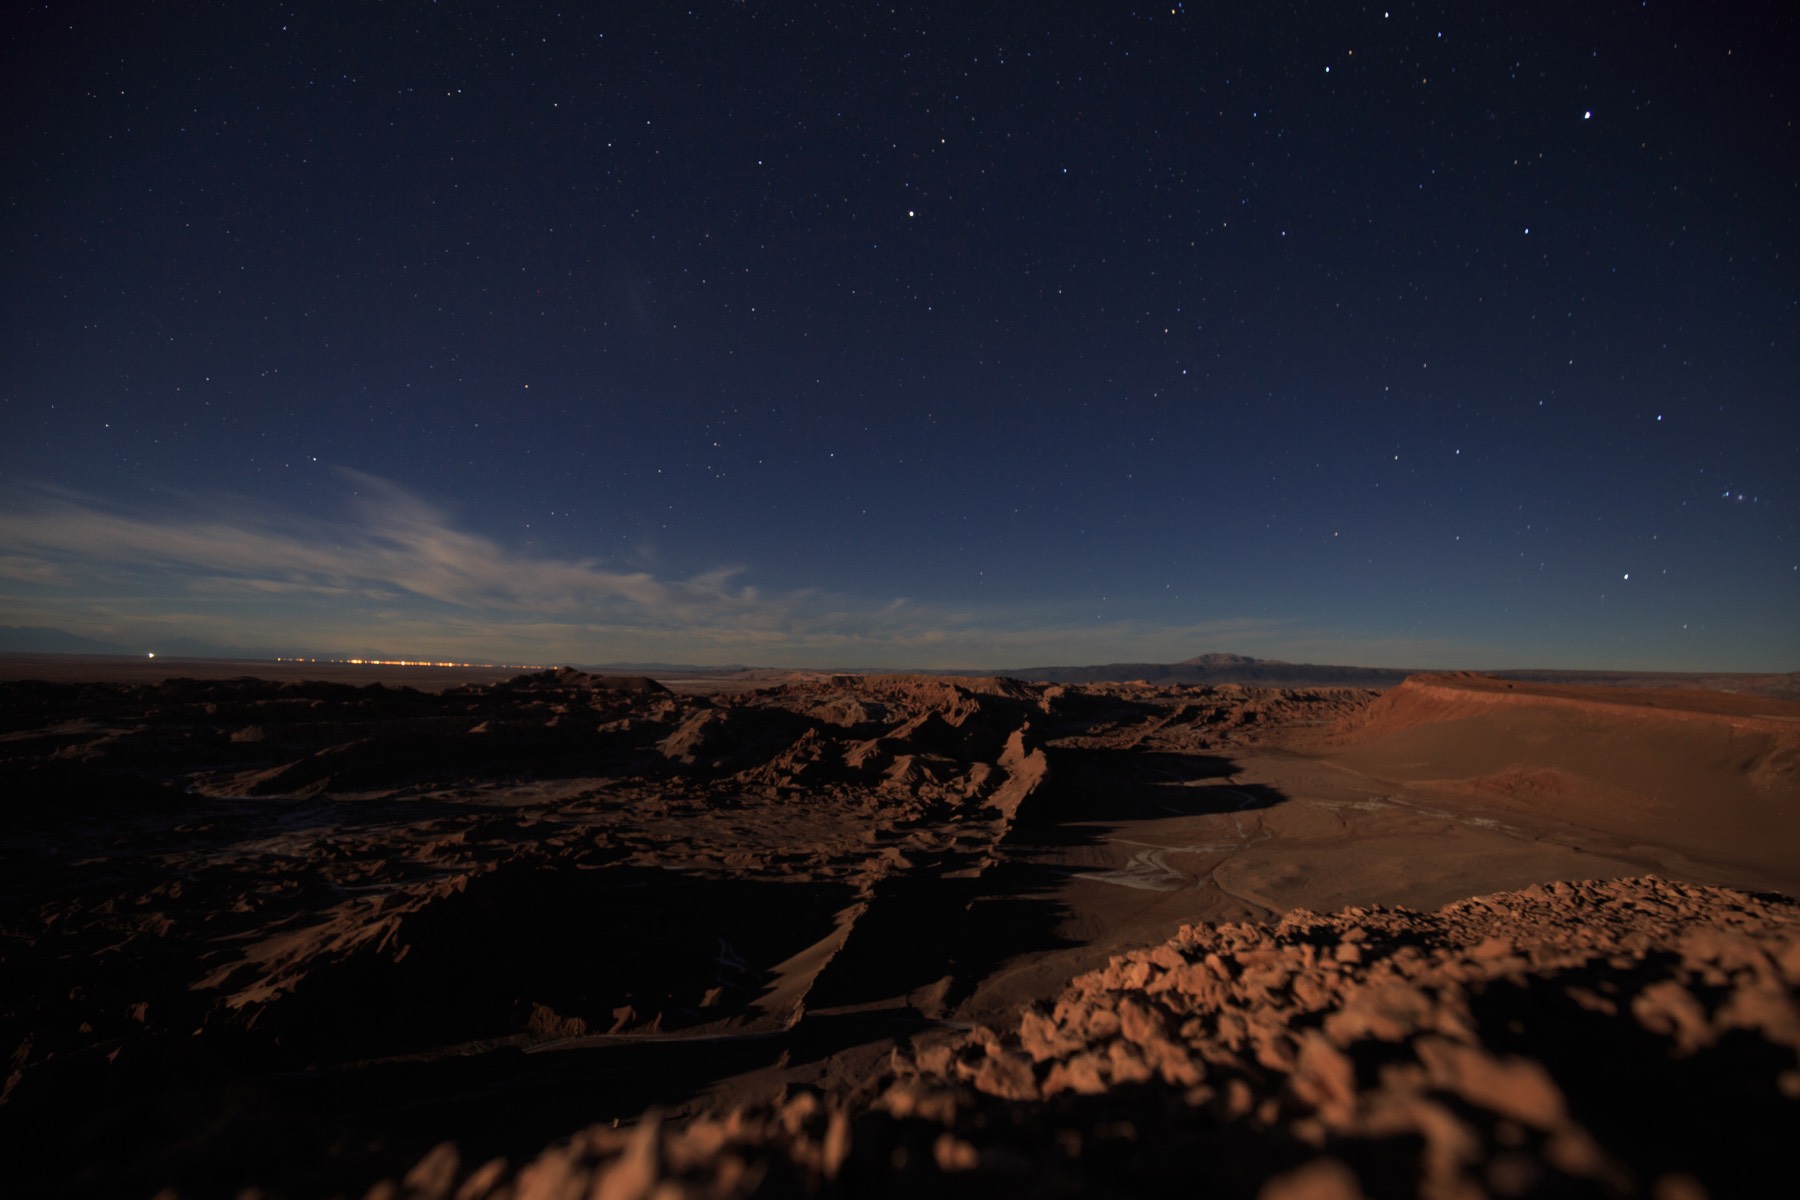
[(560, 934)]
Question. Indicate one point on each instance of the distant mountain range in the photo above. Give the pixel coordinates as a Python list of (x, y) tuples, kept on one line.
[(1219, 668), (1201, 669), (38, 639), (35, 639), (1264, 672)]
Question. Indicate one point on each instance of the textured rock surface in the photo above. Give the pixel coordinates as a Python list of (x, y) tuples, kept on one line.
[(887, 935), (1633, 1037)]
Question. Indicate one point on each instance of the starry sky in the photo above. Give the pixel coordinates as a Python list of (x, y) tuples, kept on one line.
[(890, 334)]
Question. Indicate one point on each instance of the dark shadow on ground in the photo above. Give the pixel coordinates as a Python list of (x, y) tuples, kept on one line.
[(1714, 1112), (920, 927), (1109, 785), (331, 1132), (313, 1093), (320, 1070)]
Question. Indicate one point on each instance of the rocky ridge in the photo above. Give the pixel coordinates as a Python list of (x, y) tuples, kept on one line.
[(214, 882), (289, 935), (1621, 1038)]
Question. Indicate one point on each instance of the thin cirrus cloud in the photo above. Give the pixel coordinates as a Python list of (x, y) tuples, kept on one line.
[(391, 558), (395, 575), (392, 572)]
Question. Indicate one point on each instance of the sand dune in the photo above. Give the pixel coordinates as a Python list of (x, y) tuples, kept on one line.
[(293, 935), (1644, 771)]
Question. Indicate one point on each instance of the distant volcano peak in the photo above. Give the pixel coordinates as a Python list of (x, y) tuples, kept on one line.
[(1222, 660)]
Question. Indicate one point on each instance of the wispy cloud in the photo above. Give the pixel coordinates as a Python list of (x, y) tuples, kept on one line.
[(394, 573), (392, 544)]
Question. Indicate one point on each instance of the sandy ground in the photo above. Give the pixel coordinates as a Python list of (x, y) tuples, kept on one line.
[(294, 935)]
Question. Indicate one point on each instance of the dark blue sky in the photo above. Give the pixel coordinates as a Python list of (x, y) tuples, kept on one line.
[(931, 334)]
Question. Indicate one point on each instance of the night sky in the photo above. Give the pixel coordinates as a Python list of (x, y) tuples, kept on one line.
[(907, 334)]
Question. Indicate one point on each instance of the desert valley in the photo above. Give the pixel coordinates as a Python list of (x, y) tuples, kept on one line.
[(571, 934)]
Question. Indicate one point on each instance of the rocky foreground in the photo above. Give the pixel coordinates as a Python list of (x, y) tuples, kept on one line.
[(283, 939), (1633, 1037)]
